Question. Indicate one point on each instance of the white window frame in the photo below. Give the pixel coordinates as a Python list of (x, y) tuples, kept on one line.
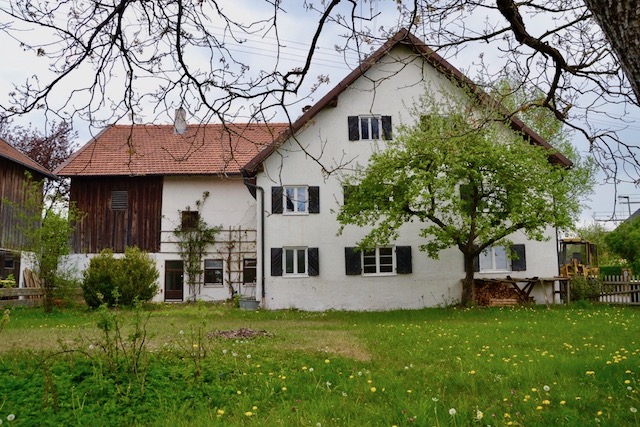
[(300, 207), (369, 119), (296, 271), (491, 257), (204, 272), (378, 262)]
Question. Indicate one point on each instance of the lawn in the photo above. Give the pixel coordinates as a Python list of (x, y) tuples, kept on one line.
[(203, 364)]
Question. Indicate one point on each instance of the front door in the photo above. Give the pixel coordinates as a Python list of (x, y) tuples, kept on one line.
[(173, 281)]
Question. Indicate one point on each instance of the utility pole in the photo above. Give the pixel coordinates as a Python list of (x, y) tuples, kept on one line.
[(627, 202)]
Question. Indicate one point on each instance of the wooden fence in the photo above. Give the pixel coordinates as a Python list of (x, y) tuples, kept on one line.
[(21, 296), (620, 290)]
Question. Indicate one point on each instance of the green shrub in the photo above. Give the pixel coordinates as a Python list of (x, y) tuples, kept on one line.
[(585, 289), (120, 281), (611, 270)]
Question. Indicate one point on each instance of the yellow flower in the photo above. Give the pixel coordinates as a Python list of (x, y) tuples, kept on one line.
[(248, 413), (562, 402), (238, 392), (472, 372), (220, 412), (284, 389), (599, 413), (590, 373), (534, 389), (539, 408), (546, 402), (255, 408), (627, 382), (327, 361), (373, 389)]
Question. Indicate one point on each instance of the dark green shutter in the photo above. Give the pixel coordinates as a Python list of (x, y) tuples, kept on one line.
[(354, 132), (518, 258), (314, 199), (352, 261), (276, 200), (276, 261), (403, 260), (386, 127), (314, 261)]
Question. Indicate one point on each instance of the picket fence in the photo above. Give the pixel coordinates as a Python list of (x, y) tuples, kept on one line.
[(620, 290)]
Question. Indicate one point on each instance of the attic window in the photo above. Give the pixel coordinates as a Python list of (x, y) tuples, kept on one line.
[(119, 200)]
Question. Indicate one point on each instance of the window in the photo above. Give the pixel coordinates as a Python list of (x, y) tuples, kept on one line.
[(295, 199), (189, 220), (298, 199), (369, 127), (213, 272), (119, 200), (295, 261), (384, 260), (494, 258), (249, 271), (502, 258), (378, 261)]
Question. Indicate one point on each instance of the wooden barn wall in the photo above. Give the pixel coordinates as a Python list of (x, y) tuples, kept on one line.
[(12, 187), (104, 228)]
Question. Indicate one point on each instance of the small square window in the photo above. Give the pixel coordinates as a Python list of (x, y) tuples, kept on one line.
[(378, 261), (213, 274), (296, 200), (189, 220)]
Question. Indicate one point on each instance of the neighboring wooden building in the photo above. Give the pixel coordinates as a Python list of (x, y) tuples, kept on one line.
[(135, 185), (14, 170)]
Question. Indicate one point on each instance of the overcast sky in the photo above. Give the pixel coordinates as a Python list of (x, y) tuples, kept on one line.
[(259, 52)]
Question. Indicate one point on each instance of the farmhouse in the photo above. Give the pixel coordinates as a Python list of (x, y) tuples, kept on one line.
[(16, 170), (274, 190)]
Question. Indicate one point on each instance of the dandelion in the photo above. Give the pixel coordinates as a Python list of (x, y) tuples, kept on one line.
[(599, 413), (310, 369), (507, 415), (472, 372), (546, 388), (563, 402), (633, 410), (435, 399), (409, 391), (479, 414), (373, 389), (248, 413), (304, 368), (452, 411), (627, 382), (327, 361), (284, 389), (590, 373), (539, 408), (238, 392), (248, 356), (534, 389), (224, 351), (11, 417), (220, 412), (546, 402)]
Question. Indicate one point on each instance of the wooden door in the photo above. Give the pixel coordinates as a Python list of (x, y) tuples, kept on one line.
[(173, 281)]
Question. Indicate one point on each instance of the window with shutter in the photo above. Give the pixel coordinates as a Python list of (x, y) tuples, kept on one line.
[(369, 127), (295, 200), (502, 259), (382, 261)]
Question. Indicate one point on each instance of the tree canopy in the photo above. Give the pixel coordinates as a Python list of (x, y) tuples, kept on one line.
[(624, 241), (466, 179)]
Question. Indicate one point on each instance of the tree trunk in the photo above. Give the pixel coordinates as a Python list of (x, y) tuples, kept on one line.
[(620, 22), (468, 286)]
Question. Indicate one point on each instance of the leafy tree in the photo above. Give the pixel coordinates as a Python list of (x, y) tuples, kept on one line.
[(624, 241), (48, 149), (47, 234), (469, 182), (597, 233)]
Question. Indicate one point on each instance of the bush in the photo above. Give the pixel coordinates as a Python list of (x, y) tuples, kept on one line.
[(120, 281), (585, 289)]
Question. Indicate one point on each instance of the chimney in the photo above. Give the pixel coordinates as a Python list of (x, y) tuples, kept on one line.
[(180, 121)]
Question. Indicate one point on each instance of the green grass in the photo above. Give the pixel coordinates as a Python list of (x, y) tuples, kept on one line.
[(571, 366)]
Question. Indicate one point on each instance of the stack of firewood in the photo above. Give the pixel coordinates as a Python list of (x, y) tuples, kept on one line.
[(496, 293)]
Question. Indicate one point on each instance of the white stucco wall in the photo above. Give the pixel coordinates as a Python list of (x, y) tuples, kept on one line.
[(391, 87)]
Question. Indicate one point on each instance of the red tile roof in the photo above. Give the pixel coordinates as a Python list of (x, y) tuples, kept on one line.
[(209, 149), (11, 153)]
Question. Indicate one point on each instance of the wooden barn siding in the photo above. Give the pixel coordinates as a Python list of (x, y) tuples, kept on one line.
[(12, 187), (103, 228)]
